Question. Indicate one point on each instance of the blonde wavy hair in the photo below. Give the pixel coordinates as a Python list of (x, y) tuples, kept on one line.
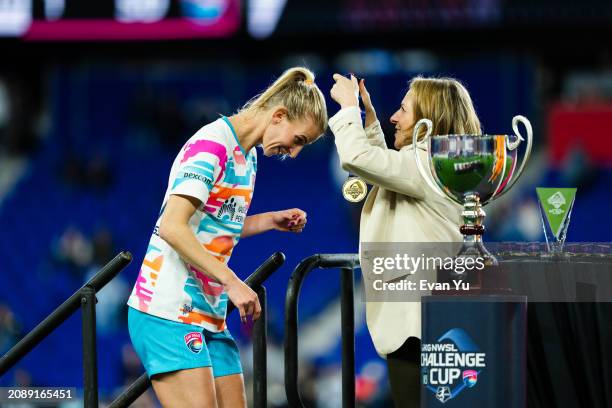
[(445, 102), (296, 90)]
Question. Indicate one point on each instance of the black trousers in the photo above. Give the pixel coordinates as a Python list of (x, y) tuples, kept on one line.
[(404, 374)]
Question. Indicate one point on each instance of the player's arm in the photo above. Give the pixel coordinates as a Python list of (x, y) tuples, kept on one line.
[(292, 220), (174, 229)]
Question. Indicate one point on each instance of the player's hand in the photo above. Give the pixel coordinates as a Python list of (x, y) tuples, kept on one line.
[(292, 220), (345, 91), (244, 298)]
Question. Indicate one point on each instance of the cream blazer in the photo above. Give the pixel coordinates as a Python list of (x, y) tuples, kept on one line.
[(399, 208)]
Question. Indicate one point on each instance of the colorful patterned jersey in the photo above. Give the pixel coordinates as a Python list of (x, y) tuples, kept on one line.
[(213, 168)]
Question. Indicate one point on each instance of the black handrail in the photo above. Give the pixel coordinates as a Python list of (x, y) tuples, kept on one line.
[(260, 353), (347, 263), (255, 281), (85, 298), (63, 312), (90, 357)]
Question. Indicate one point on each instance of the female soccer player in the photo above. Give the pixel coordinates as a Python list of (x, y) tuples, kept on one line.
[(177, 308)]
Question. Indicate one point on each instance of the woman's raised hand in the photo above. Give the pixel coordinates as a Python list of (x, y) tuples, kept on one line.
[(367, 104), (345, 91)]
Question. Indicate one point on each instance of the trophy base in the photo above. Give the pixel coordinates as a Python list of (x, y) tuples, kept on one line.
[(474, 282), (482, 280), (474, 248)]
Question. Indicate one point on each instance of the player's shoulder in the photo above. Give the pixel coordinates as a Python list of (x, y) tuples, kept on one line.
[(216, 131), (210, 142)]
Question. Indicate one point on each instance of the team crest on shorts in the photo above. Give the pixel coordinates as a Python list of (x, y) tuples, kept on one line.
[(193, 341)]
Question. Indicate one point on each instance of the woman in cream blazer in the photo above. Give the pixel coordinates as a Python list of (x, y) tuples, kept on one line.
[(400, 207)]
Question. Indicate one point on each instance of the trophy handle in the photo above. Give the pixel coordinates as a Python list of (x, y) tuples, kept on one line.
[(514, 145), (422, 170)]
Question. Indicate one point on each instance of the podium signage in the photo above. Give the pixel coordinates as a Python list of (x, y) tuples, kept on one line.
[(473, 351), (451, 365)]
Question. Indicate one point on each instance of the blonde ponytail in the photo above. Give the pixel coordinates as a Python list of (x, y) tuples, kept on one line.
[(296, 90)]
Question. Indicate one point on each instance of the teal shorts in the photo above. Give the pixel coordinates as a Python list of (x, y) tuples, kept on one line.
[(165, 345)]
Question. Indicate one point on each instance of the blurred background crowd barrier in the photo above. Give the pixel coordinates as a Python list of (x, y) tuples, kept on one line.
[(97, 98)]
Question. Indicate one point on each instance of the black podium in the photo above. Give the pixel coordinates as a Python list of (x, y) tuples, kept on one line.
[(497, 350), (474, 351)]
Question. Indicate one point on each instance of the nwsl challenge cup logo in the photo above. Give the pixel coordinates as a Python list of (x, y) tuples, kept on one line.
[(451, 365), (193, 341)]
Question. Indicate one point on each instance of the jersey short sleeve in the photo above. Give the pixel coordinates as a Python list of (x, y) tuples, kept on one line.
[(201, 164)]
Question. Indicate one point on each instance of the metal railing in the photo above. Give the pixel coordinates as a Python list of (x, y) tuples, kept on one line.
[(347, 263), (255, 281), (85, 298)]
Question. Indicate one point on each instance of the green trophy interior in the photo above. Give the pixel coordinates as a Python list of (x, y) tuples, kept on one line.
[(472, 177)]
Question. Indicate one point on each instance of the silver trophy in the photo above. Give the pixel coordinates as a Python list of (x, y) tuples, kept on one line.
[(472, 170)]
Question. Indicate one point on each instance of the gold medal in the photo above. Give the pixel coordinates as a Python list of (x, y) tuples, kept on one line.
[(354, 189)]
